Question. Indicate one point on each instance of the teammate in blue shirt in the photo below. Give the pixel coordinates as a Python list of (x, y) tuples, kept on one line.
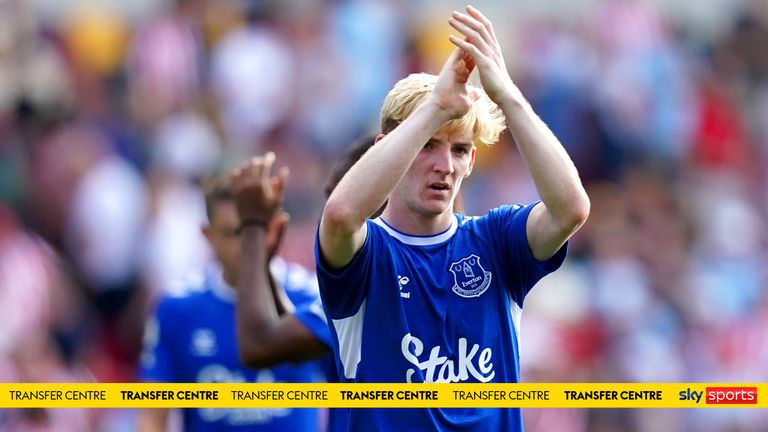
[(193, 338), (422, 294), (266, 335)]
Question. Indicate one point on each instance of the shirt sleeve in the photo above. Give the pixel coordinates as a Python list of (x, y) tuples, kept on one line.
[(344, 290), (302, 289), (313, 318), (157, 358), (524, 270)]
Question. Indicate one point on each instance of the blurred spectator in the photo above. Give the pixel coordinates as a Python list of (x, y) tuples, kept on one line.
[(253, 71), (165, 64), (107, 210), (32, 282)]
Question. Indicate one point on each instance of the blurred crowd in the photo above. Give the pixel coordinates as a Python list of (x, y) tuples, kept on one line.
[(112, 113)]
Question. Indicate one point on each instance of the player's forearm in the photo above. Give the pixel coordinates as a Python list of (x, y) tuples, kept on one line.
[(553, 171), (369, 182), (282, 304), (265, 338), (256, 310)]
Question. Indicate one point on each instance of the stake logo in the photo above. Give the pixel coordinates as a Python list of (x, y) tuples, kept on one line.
[(456, 369)]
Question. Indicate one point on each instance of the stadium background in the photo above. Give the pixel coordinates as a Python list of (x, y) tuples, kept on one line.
[(111, 112)]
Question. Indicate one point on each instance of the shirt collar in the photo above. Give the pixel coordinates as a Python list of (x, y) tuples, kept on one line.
[(419, 240)]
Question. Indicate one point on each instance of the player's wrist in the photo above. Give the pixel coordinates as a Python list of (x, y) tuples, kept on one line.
[(252, 222), (438, 110), (511, 100)]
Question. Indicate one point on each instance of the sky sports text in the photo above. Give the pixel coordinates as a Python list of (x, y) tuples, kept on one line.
[(722, 395)]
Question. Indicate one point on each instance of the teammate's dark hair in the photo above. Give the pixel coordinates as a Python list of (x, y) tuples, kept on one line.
[(216, 189), (353, 154)]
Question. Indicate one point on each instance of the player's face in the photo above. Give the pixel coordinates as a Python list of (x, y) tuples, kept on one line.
[(222, 236), (431, 184)]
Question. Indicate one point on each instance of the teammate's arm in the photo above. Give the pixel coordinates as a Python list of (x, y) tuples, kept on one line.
[(366, 186), (565, 205), (153, 419), (274, 236), (265, 337)]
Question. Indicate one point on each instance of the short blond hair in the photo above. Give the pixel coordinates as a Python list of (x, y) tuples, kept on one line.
[(484, 119)]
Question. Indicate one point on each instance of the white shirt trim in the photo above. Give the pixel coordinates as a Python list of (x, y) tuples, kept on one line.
[(349, 331), (221, 289), (420, 240), (224, 291)]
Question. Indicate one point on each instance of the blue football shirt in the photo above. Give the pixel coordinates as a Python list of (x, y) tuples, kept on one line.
[(192, 338), (442, 308)]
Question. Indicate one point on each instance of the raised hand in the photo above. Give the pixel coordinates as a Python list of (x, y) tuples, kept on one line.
[(451, 93), (258, 196), (481, 44)]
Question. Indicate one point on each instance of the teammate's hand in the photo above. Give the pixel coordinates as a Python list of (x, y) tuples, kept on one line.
[(258, 196), (481, 44), (275, 232)]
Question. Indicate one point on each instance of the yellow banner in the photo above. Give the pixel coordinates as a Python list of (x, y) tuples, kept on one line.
[(284, 395)]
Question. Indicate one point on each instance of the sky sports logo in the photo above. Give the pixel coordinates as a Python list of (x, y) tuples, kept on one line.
[(722, 395)]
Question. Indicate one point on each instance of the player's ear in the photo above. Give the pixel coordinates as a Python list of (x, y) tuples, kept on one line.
[(471, 161), (379, 137), (207, 232)]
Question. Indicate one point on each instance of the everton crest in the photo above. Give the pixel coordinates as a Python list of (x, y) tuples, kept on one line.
[(469, 276)]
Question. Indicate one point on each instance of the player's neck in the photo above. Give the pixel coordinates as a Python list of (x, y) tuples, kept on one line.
[(411, 223), (230, 277)]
